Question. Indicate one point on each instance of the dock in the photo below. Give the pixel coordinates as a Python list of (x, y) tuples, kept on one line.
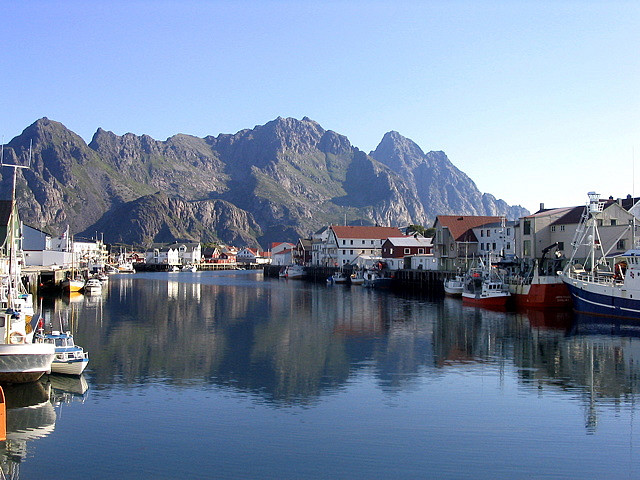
[(427, 281)]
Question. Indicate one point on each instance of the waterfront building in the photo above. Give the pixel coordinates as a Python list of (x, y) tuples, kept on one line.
[(43, 249), (253, 255), (302, 253), (398, 251), (320, 255), (345, 244), (548, 226), (282, 253), (163, 255), (455, 244), (496, 240)]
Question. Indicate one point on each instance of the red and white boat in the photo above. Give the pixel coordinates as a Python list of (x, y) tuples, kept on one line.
[(485, 287)]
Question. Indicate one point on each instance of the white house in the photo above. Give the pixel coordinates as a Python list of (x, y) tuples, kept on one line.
[(189, 253), (164, 255), (346, 243), (496, 239), (282, 253), (253, 255), (42, 249)]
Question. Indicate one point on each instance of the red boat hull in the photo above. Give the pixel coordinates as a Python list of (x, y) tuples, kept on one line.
[(552, 295), (486, 302)]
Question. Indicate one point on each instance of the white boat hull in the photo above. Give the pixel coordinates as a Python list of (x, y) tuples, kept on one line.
[(71, 367), (26, 362)]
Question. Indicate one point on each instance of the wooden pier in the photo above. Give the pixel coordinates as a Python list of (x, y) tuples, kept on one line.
[(427, 281)]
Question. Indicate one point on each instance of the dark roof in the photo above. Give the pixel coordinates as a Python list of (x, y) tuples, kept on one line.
[(573, 216)]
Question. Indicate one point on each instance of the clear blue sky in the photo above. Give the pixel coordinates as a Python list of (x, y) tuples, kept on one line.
[(536, 101)]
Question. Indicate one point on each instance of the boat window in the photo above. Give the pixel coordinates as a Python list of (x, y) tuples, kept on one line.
[(59, 342)]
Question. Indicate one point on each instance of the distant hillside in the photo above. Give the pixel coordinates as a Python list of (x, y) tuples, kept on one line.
[(277, 181)]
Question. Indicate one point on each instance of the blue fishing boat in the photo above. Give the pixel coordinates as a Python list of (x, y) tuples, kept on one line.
[(597, 287)]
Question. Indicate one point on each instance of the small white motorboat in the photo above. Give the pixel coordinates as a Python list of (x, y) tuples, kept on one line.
[(92, 286), (69, 359)]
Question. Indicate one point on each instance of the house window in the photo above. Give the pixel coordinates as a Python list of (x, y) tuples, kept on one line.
[(344, 242), (526, 248), (553, 228), (371, 242), (614, 222), (488, 233), (494, 246), (344, 252), (482, 233), (350, 252), (562, 228), (363, 242), (526, 227), (482, 246), (560, 245), (420, 251), (391, 251), (621, 244), (351, 242), (508, 231), (407, 251), (508, 245)]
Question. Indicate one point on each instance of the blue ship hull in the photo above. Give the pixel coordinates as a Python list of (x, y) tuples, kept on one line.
[(586, 301)]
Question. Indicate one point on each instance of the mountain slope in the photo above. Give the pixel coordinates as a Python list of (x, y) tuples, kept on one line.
[(274, 182)]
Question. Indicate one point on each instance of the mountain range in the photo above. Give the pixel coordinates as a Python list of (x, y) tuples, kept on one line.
[(275, 182)]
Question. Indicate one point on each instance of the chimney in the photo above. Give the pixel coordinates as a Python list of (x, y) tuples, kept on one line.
[(541, 206)]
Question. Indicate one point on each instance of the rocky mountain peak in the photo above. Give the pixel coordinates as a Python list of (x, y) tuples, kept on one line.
[(398, 152)]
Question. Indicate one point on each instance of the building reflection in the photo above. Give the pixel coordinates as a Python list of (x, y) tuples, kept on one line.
[(293, 342)]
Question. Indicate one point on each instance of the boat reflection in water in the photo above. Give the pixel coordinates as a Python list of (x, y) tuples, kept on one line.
[(31, 415)]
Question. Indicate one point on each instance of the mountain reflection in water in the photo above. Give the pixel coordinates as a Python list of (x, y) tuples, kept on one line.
[(293, 342), (409, 368)]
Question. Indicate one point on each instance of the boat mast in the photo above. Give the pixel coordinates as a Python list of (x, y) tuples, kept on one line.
[(11, 231)]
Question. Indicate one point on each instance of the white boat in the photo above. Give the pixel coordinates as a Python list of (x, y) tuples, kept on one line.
[(370, 277), (595, 287), (189, 268), (126, 267), (70, 359), (338, 277), (92, 286), (110, 270), (454, 286), (295, 272), (357, 278), (20, 360)]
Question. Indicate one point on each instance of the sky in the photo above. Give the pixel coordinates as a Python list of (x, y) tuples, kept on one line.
[(536, 101)]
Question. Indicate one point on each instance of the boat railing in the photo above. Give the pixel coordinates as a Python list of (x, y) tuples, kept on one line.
[(600, 279)]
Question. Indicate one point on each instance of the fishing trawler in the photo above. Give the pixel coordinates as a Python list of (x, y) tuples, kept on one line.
[(484, 286), (596, 287)]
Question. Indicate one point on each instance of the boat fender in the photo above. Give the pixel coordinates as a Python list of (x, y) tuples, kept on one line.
[(16, 338)]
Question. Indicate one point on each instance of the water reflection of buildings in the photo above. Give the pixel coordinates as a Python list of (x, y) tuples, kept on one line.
[(291, 342)]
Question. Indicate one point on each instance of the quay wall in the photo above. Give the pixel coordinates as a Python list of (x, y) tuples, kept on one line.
[(431, 281)]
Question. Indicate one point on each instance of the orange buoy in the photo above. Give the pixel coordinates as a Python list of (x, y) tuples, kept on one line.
[(3, 417)]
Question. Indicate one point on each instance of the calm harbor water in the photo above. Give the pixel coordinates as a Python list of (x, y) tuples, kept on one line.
[(229, 375)]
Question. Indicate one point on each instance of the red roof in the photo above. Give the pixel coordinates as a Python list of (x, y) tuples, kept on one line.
[(381, 233), (458, 225)]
